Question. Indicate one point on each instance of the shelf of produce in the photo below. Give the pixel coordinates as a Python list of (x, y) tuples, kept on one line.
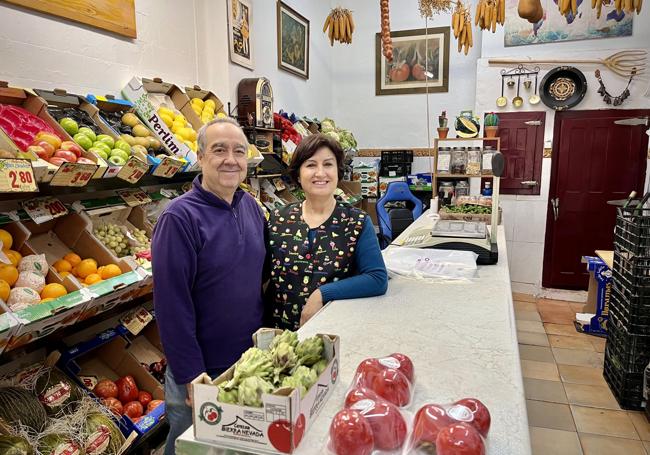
[(461, 337)]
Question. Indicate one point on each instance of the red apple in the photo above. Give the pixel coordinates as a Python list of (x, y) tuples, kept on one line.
[(71, 146), (38, 151), (49, 148), (68, 155), (57, 160), (83, 160)]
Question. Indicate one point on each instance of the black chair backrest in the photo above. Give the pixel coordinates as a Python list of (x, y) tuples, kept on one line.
[(400, 219)]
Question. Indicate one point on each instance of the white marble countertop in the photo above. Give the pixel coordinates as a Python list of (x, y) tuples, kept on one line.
[(462, 340)]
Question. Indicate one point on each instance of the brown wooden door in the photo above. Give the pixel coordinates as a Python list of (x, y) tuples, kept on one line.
[(522, 145), (594, 161)]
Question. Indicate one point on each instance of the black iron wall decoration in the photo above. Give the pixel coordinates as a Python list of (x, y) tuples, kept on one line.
[(607, 97)]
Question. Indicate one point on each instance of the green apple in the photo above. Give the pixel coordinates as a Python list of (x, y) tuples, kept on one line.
[(121, 153), (122, 144), (107, 139), (83, 140), (69, 125), (88, 132), (99, 152), (116, 160), (102, 146)]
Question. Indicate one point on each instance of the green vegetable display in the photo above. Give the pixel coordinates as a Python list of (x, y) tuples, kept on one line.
[(254, 362), (469, 208), (309, 351), (228, 396), (251, 390)]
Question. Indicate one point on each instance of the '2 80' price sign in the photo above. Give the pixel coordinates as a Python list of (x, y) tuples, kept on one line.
[(16, 175), (44, 209)]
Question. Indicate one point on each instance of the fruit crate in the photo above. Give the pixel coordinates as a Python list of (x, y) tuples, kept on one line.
[(632, 351), (625, 386), (632, 231), (631, 306)]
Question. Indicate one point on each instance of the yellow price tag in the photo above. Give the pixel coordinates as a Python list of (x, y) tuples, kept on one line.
[(168, 167), (133, 170), (17, 176), (134, 196), (73, 174)]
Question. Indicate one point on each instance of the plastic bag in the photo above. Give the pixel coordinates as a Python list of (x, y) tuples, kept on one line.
[(431, 264), (390, 378), (34, 263)]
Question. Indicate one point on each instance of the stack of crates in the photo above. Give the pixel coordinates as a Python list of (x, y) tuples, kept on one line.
[(627, 351)]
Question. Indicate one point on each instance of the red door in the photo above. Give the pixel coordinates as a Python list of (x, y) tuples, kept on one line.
[(594, 160), (522, 145)]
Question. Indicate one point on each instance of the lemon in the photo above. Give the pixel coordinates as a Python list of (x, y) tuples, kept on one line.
[(177, 128), (221, 115), (168, 119), (188, 143), (210, 103), (196, 109), (179, 137), (166, 111), (180, 117), (198, 102)]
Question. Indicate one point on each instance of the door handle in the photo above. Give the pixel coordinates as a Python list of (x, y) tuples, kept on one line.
[(533, 122), (556, 207), (633, 121), (530, 183)]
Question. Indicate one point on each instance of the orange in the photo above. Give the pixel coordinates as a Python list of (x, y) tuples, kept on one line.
[(86, 267), (62, 265), (9, 273), (53, 290), (5, 289), (73, 259), (14, 256), (93, 278), (109, 271), (6, 239), (48, 299)]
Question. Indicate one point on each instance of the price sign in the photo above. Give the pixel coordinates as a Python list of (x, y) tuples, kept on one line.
[(134, 197), (44, 209), (168, 167), (133, 170), (136, 320), (73, 174), (17, 176)]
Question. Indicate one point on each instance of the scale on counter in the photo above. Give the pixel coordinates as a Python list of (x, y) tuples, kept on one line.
[(465, 235)]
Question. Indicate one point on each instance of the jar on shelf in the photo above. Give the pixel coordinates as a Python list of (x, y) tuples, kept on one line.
[(459, 160), (444, 160), (462, 189), (488, 153), (445, 193), (474, 157)]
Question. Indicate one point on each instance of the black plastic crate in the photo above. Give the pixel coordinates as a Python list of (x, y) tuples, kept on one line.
[(632, 272), (630, 352), (395, 170), (626, 387), (632, 231), (631, 309), (396, 156)]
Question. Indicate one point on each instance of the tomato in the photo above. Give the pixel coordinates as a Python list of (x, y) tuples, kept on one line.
[(279, 434), (428, 422), (459, 439), (153, 404), (144, 397), (127, 390), (405, 365), (481, 416), (113, 405), (351, 434), (366, 371), (105, 389), (388, 425), (133, 409), (393, 386), (358, 394)]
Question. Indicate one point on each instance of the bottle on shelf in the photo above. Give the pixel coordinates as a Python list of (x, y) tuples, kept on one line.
[(487, 190)]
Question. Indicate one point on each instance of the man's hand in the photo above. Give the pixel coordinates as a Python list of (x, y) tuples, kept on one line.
[(188, 400), (314, 303)]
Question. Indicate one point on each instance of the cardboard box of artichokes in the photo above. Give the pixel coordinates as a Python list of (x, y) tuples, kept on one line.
[(271, 396)]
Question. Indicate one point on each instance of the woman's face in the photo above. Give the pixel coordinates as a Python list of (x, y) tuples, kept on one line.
[(319, 174)]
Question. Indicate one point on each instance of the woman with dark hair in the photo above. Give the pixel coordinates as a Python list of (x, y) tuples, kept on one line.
[(321, 249)]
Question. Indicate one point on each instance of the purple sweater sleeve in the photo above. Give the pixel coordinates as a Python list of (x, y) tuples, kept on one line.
[(174, 261)]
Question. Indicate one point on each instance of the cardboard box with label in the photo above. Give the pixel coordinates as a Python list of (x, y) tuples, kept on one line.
[(107, 356), (367, 173), (139, 90), (8, 325), (385, 181), (595, 314), (243, 427), (204, 95)]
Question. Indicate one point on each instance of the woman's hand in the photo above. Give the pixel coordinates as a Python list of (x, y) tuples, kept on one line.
[(314, 303)]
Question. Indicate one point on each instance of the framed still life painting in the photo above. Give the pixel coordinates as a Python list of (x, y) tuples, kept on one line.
[(293, 41)]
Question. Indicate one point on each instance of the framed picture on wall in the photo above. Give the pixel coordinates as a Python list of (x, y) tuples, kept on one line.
[(240, 24), (293, 41), (420, 58)]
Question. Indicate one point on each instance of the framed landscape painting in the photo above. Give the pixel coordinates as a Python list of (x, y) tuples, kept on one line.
[(293, 41)]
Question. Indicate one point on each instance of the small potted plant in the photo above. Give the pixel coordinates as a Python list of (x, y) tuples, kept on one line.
[(491, 124), (443, 130)]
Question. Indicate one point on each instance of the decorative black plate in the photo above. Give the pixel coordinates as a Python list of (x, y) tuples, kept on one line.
[(563, 87)]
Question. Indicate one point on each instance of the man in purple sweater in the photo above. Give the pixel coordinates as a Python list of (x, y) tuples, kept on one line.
[(208, 254)]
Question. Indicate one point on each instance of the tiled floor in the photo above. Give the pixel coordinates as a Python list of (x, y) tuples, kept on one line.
[(571, 410)]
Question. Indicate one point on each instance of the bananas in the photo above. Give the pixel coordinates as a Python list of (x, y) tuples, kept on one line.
[(461, 24), (489, 13), (339, 26)]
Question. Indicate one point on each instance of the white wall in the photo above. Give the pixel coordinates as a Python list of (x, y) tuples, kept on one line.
[(393, 120)]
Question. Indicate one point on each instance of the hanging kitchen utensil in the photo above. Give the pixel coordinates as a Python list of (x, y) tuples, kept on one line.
[(518, 101), (511, 82), (563, 87), (609, 99), (623, 63), (534, 98), (502, 100), (527, 82)]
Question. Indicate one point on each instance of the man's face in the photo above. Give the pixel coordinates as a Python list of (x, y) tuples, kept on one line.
[(223, 161)]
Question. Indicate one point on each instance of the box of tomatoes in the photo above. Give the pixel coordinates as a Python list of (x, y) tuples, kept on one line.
[(271, 396)]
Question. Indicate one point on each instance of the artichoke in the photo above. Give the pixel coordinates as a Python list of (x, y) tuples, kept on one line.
[(327, 125), (285, 337), (309, 351), (228, 396), (306, 376), (254, 362), (251, 390), (294, 383), (284, 358), (319, 367)]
